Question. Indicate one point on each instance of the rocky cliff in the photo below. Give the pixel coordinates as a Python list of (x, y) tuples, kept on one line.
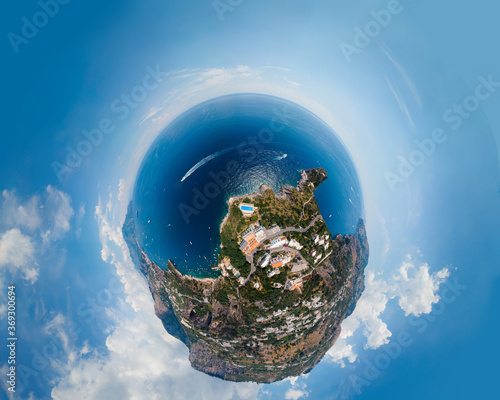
[(237, 335)]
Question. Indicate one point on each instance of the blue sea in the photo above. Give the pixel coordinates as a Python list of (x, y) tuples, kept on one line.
[(230, 146)]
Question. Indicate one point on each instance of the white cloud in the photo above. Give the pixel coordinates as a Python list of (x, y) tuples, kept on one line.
[(293, 83), (58, 206), (79, 219), (406, 79), (341, 350), (28, 226), (401, 102), (292, 380), (59, 327), (121, 191), (416, 290), (295, 394), (143, 360), (384, 232), (16, 213), (17, 253)]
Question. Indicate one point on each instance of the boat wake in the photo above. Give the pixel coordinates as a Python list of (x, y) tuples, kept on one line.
[(207, 159), (281, 157)]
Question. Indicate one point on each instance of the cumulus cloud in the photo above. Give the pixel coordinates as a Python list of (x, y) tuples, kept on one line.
[(142, 359), (342, 351), (28, 226), (416, 290), (18, 213), (17, 254), (295, 394), (15, 249)]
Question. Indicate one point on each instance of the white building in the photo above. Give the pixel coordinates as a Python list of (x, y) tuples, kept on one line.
[(286, 259), (265, 261), (260, 233), (278, 242), (296, 245), (273, 272)]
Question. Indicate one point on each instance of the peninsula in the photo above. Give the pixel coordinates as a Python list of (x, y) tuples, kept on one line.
[(286, 283)]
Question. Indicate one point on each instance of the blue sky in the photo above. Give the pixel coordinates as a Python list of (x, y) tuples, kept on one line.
[(85, 315)]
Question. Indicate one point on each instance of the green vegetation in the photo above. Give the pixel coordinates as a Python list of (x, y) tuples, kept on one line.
[(229, 239), (297, 210), (295, 328)]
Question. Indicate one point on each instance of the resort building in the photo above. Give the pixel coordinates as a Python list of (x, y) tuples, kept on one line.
[(296, 245), (265, 261), (273, 272), (225, 266), (248, 246), (260, 233), (294, 284), (279, 261), (278, 242)]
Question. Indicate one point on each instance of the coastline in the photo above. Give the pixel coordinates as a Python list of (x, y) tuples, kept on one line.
[(232, 199), (300, 185)]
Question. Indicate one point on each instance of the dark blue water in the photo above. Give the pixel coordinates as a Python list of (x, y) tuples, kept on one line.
[(229, 146)]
